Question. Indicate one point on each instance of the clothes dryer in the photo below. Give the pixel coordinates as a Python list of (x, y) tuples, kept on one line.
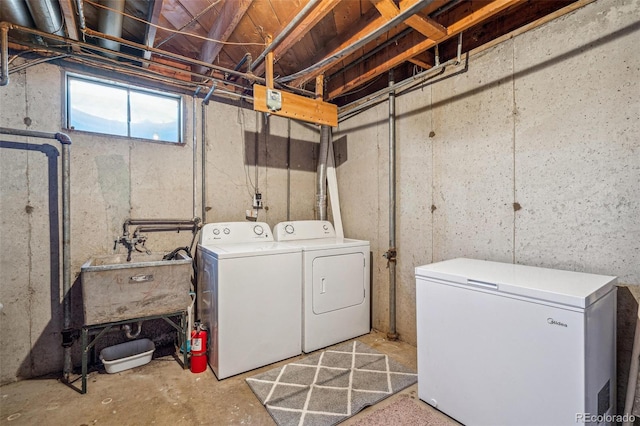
[(335, 285)]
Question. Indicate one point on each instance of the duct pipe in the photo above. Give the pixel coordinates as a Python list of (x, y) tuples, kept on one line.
[(46, 15), (392, 253), (321, 174), (110, 22), (4, 54), (65, 141), (16, 11), (285, 32)]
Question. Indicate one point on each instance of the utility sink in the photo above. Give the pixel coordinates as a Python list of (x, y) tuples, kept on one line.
[(116, 290)]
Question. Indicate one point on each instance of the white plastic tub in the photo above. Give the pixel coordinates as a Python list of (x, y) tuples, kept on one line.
[(127, 355)]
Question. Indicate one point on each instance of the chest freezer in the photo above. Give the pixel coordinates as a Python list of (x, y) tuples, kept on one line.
[(504, 344)]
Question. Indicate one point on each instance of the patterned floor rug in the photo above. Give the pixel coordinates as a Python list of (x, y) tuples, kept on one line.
[(328, 387)]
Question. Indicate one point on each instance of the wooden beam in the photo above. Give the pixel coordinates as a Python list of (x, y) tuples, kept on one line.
[(320, 87), (424, 25), (68, 11), (231, 13), (297, 107), (308, 22), (269, 65), (367, 24), (399, 52), (410, 46), (420, 63)]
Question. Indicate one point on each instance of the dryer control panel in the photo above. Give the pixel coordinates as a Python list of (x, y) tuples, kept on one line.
[(303, 230), (235, 232)]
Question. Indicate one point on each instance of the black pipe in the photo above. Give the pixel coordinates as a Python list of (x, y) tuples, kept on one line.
[(65, 141)]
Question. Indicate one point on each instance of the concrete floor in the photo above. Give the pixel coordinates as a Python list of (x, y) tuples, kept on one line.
[(162, 393)]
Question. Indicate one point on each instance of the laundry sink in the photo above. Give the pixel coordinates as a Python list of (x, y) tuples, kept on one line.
[(116, 290)]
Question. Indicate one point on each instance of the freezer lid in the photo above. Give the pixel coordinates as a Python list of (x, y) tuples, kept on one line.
[(577, 289)]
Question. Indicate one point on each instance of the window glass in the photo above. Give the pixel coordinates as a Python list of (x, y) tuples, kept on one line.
[(104, 107), (153, 117), (97, 108)]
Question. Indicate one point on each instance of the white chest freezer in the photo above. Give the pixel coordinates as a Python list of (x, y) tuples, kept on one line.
[(504, 344)]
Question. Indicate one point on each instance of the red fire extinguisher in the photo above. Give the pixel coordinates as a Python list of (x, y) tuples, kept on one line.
[(198, 349)]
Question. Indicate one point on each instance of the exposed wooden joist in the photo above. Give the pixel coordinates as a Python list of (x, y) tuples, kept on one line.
[(394, 55), (426, 26), (308, 22), (68, 11), (368, 23), (230, 15)]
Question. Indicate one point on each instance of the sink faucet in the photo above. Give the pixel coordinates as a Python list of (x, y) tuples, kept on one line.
[(130, 243)]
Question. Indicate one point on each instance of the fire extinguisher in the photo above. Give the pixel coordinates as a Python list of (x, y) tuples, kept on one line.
[(199, 349)]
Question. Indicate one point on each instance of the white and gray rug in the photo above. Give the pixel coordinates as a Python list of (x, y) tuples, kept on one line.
[(328, 387)]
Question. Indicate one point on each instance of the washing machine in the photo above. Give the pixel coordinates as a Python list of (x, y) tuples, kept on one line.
[(249, 296), (335, 284)]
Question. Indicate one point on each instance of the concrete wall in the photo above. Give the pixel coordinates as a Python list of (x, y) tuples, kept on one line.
[(549, 119), (112, 179)]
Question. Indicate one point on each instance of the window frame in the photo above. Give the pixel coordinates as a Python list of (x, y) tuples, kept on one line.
[(129, 88)]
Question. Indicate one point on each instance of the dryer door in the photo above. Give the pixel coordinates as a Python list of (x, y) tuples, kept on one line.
[(338, 282)]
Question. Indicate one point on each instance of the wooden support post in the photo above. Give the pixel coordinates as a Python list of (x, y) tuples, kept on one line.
[(269, 65), (320, 87)]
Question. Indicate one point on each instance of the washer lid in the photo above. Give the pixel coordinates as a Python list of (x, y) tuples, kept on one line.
[(565, 287), (229, 251)]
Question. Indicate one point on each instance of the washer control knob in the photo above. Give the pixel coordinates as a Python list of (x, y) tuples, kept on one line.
[(288, 229), (216, 231), (258, 229), (226, 231)]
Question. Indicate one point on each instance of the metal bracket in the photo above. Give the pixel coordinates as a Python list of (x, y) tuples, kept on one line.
[(391, 255), (69, 335)]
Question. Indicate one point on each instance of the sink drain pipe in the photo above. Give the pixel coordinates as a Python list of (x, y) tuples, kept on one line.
[(65, 141), (391, 253)]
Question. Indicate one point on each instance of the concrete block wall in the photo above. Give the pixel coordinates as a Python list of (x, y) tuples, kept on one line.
[(548, 119), (114, 178)]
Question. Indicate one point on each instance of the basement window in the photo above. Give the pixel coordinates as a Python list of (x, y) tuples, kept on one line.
[(102, 106)]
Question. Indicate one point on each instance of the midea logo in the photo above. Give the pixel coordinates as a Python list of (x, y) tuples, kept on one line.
[(554, 322)]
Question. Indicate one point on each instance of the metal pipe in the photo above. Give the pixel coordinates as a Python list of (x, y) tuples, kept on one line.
[(66, 246), (288, 169), (166, 228), (81, 20), (392, 253), (203, 127), (194, 141), (372, 52), (4, 54), (404, 85), (401, 17), (127, 330), (130, 221), (47, 16), (285, 32), (321, 174), (65, 141), (110, 22), (16, 11)]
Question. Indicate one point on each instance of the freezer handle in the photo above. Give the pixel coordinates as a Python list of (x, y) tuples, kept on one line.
[(483, 284)]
